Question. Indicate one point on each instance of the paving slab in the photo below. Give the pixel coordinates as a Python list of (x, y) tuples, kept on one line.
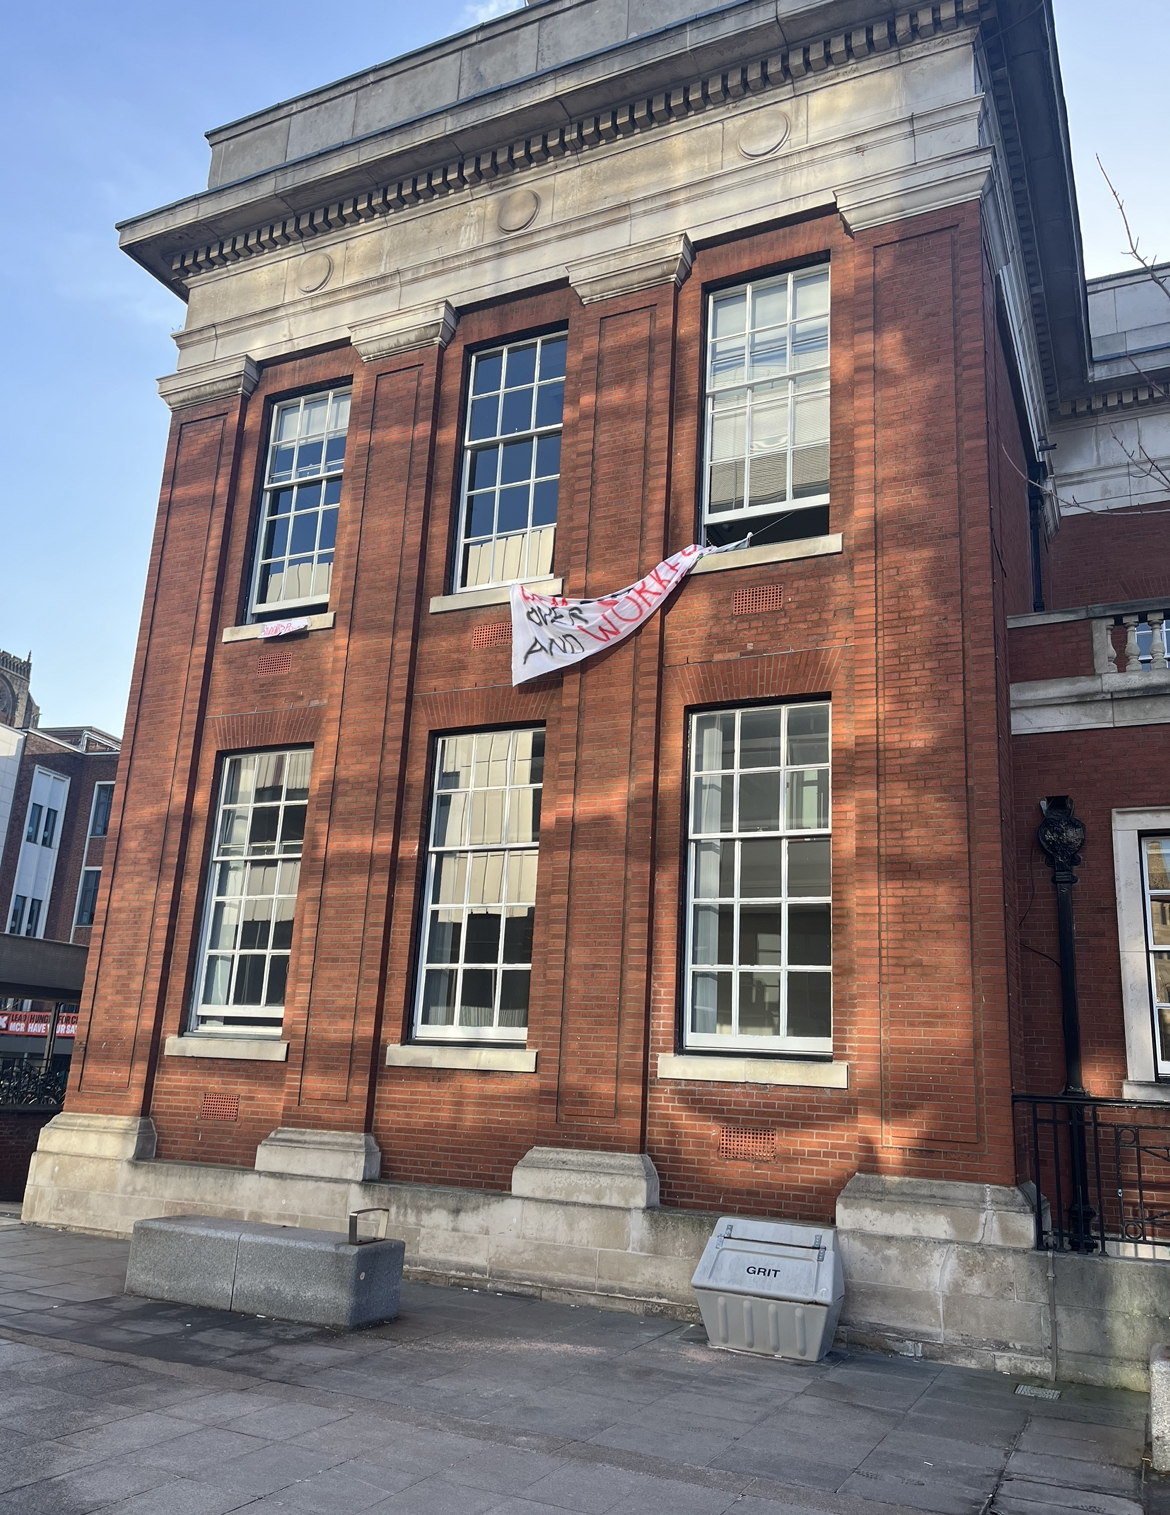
[(484, 1403)]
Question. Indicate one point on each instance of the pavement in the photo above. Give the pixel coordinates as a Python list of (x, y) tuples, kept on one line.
[(478, 1403)]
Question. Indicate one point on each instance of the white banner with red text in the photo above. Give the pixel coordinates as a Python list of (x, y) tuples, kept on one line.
[(551, 633)]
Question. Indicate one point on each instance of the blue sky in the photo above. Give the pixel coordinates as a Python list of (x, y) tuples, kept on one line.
[(103, 114)]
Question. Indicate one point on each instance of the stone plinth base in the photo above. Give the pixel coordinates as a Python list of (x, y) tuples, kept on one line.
[(938, 1270), (949, 1271)]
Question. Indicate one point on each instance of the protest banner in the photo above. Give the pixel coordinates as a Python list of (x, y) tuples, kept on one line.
[(551, 632)]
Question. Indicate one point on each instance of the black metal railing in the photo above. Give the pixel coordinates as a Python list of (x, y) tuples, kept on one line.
[(32, 1086), (1100, 1168)]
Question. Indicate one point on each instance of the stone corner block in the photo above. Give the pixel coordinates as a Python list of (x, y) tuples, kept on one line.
[(620, 1180), (122, 1138), (1160, 1406), (220, 379), (665, 260), (936, 1210), (417, 326), (352, 1156)]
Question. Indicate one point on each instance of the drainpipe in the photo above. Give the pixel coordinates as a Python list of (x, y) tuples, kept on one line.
[(1062, 835)]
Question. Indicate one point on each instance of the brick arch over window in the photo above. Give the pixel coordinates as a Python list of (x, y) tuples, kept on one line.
[(249, 729), (777, 675)]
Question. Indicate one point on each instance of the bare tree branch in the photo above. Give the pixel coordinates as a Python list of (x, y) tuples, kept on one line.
[(1147, 263)]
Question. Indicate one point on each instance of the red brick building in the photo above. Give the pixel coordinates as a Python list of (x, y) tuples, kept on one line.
[(56, 793), (548, 969)]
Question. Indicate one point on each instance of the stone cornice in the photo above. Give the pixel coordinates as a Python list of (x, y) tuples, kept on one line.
[(403, 330), (630, 269), (579, 136), (221, 379)]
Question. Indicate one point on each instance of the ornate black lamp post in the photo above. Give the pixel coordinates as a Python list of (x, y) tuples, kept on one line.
[(1062, 836)]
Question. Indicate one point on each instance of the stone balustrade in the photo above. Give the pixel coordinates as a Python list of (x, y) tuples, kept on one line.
[(1130, 641)]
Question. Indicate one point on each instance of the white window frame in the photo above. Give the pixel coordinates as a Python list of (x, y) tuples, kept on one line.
[(78, 923), (783, 1044), (211, 1018), (532, 539), (329, 479), (93, 809), (1149, 1076), (430, 962), (812, 382)]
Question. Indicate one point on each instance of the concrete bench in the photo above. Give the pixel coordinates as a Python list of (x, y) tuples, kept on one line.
[(315, 1277)]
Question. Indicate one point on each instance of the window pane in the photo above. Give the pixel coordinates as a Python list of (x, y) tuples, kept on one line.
[(759, 1004), (759, 802), (488, 373), (759, 739), (438, 999), (761, 869), (1158, 861), (714, 742), (713, 804), (552, 358), (1160, 922), (809, 867), (808, 734), (760, 936), (715, 870), (808, 799), (810, 1004), (711, 1004), (809, 935), (477, 997), (514, 998)]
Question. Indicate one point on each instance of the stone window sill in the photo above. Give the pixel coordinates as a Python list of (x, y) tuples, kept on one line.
[(696, 1068), (477, 1059), (497, 594), (255, 632), (778, 552), (250, 1049), (1151, 1093)]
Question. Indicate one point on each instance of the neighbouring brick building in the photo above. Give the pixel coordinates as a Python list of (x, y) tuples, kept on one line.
[(548, 970), (56, 792)]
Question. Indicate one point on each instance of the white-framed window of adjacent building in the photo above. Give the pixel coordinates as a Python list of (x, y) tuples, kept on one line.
[(299, 502), (759, 881), (36, 862), (766, 456), (1141, 861), (480, 888), (99, 815), (250, 904), (87, 893), (511, 463)]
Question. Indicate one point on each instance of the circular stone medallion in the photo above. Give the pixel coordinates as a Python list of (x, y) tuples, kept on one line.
[(313, 272), (763, 133), (517, 210)]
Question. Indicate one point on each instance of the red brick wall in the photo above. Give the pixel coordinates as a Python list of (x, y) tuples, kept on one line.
[(903, 630), (1101, 774), (18, 1142), (1098, 559)]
